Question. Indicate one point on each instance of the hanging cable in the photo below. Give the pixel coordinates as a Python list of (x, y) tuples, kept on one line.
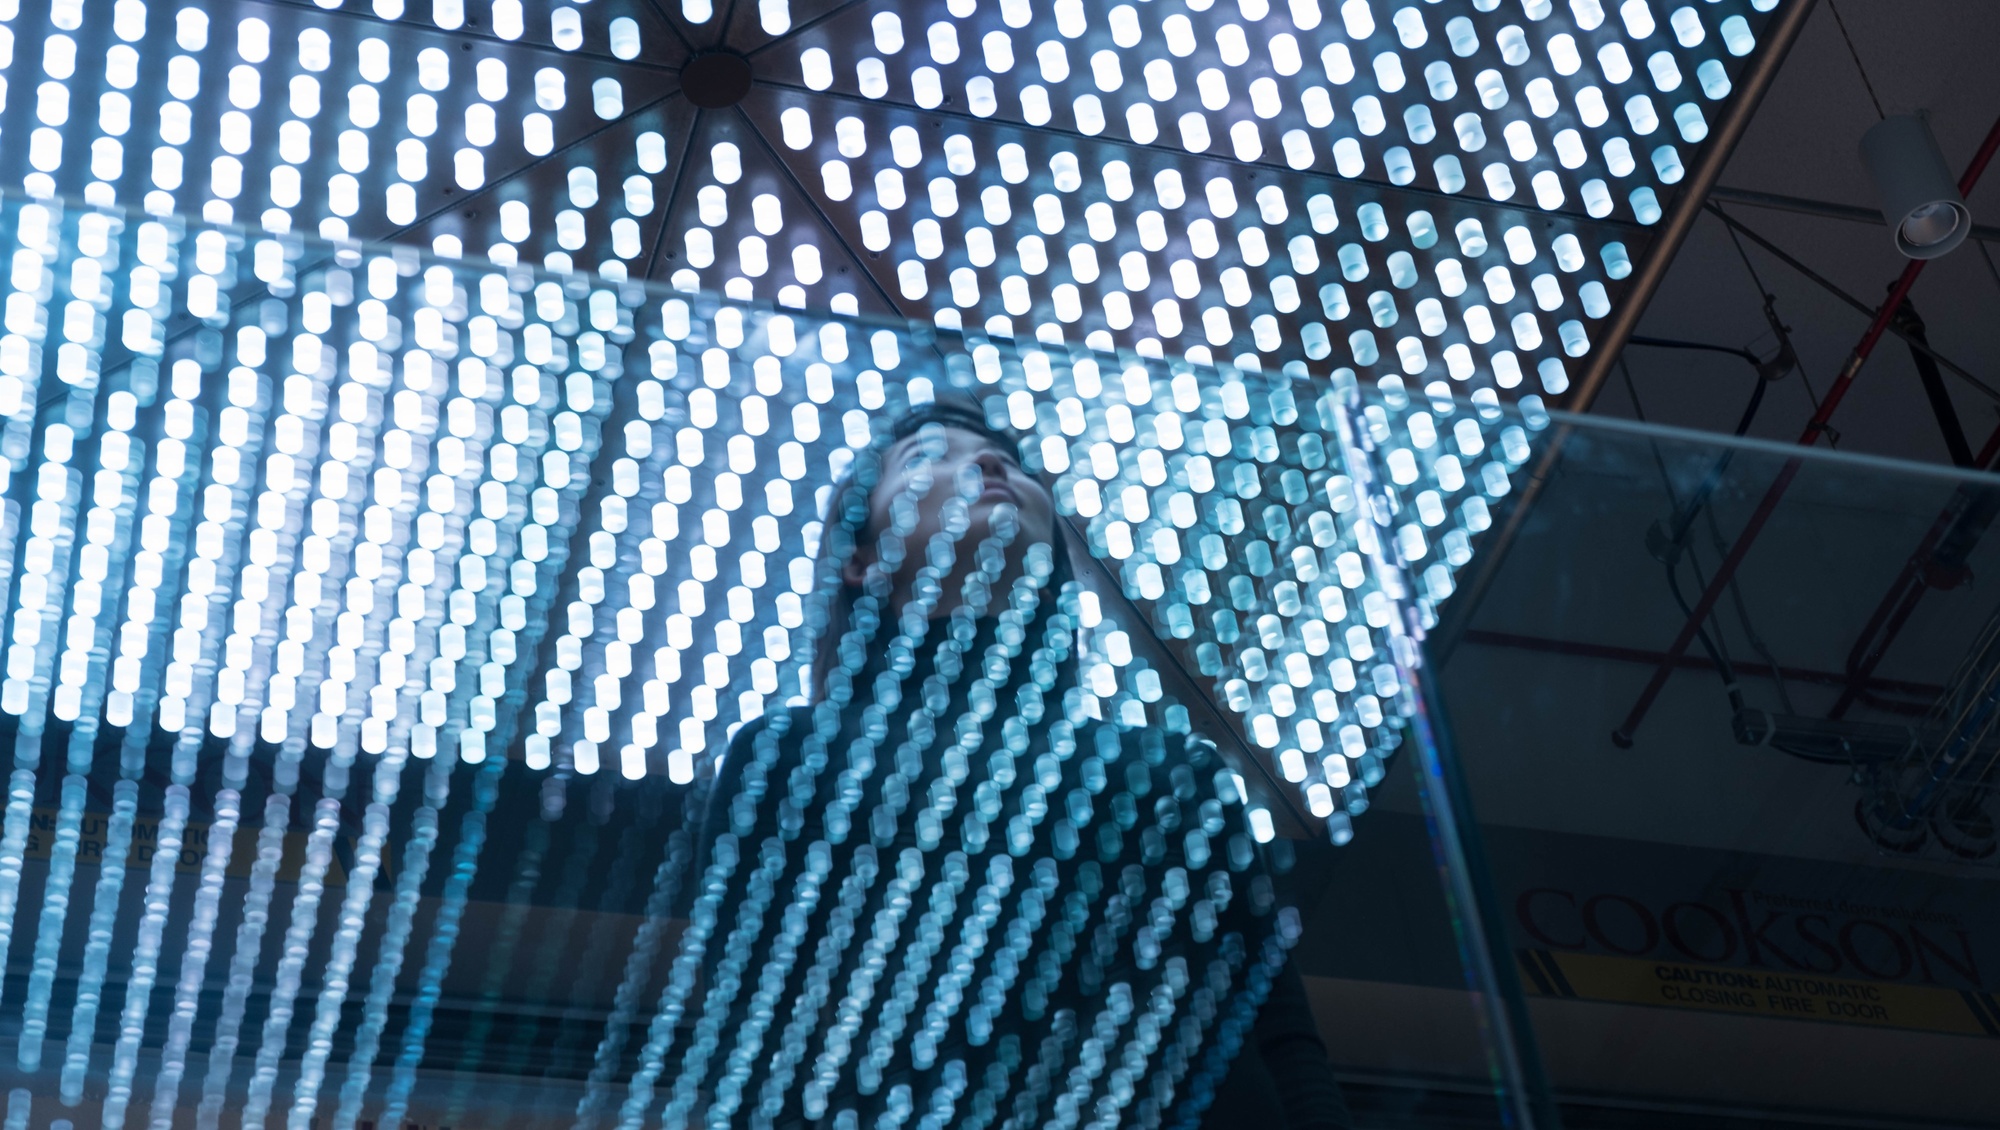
[(1948, 365), (1743, 253), (1717, 652), (1750, 633), (1684, 516), (1787, 358), (1835, 9), (1716, 655)]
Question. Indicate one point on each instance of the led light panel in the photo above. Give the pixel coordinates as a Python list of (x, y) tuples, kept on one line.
[(1272, 293), (1425, 189)]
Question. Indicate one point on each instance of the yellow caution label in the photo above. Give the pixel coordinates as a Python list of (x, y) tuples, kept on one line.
[(1759, 992), (95, 827)]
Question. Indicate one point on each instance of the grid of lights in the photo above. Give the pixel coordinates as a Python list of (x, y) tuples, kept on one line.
[(1066, 179), (290, 119), (361, 517), (1190, 202), (1185, 180)]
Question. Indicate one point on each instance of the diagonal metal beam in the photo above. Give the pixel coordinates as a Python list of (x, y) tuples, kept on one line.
[(1778, 40), (118, 356), (486, 189), (723, 27)]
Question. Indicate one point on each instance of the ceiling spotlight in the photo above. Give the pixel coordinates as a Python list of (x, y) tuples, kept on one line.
[(1920, 199)]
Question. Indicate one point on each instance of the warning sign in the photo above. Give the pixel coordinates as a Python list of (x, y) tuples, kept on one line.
[(1759, 992)]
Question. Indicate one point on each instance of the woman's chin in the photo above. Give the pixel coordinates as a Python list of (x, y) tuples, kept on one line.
[(1027, 527)]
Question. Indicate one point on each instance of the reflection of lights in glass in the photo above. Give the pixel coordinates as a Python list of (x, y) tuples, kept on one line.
[(380, 494), (419, 510)]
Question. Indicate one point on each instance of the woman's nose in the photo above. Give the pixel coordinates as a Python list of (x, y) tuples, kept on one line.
[(990, 464)]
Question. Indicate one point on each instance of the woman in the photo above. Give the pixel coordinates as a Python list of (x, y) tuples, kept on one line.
[(996, 910)]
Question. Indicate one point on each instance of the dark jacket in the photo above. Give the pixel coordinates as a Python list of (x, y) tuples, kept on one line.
[(1085, 877)]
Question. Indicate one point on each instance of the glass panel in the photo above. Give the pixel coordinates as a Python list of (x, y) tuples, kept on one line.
[(378, 624), (1793, 861)]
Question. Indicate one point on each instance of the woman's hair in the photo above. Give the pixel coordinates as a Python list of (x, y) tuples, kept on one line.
[(846, 529)]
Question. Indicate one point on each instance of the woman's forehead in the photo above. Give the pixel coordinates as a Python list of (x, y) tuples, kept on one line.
[(947, 437)]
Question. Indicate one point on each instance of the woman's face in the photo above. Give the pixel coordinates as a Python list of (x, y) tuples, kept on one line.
[(983, 471)]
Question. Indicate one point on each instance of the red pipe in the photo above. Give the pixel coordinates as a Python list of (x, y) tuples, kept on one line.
[(1768, 505), (1619, 654)]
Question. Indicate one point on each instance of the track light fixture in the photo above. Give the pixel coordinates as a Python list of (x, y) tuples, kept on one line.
[(1920, 200)]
